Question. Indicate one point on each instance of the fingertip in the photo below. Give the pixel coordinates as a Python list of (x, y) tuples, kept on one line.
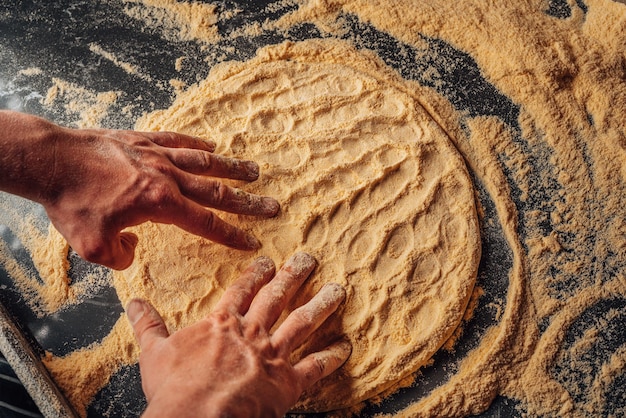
[(135, 310), (271, 206), (264, 265), (334, 291), (209, 145), (251, 243), (335, 356), (300, 263), (240, 240), (343, 350), (251, 169), (318, 365), (146, 322), (240, 294), (302, 255)]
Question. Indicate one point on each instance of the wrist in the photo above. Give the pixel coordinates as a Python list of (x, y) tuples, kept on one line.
[(28, 148)]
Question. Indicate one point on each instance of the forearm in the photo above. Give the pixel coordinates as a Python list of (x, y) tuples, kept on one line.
[(27, 154)]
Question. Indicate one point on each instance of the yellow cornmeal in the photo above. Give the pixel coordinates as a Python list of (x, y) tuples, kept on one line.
[(567, 78), (177, 20), (368, 184)]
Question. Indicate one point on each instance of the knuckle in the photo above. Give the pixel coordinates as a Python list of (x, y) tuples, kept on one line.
[(253, 329), (221, 316), (206, 160), (224, 320), (172, 138), (218, 192), (158, 193), (210, 221), (316, 370), (159, 166), (320, 365), (148, 323)]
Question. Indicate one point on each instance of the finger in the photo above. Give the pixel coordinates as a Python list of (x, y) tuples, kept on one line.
[(239, 295), (197, 220), (199, 162), (176, 140), (301, 323), (147, 324), (215, 194), (274, 297), (318, 365)]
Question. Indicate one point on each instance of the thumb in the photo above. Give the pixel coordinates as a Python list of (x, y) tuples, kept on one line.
[(147, 324)]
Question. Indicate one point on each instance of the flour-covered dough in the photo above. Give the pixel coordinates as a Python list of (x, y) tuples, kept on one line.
[(368, 183)]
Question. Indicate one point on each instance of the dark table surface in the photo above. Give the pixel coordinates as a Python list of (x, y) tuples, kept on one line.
[(56, 37)]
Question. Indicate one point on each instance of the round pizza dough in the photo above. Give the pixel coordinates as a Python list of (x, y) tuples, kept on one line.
[(368, 183)]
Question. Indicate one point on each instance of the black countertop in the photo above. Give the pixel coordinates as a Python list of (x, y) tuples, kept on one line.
[(55, 37)]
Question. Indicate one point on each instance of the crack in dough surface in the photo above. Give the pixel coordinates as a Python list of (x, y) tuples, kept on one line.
[(369, 184)]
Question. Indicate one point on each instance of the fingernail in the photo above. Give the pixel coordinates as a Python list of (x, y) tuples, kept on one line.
[(271, 206), (301, 262), (264, 264), (252, 242), (135, 310), (334, 291), (210, 144), (252, 169), (344, 349)]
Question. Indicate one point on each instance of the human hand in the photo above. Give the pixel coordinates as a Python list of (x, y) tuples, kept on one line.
[(95, 183), (229, 364), (132, 177)]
